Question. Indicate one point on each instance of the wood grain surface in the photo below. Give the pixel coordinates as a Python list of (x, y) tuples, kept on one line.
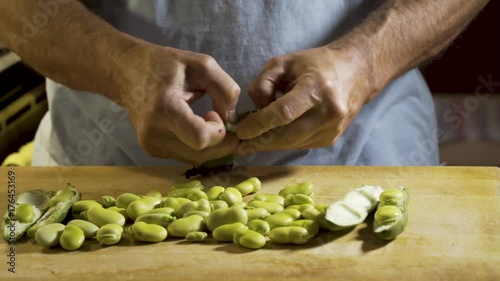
[(453, 232)]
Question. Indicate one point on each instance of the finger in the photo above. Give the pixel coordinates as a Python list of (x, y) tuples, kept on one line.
[(264, 88), (187, 155), (281, 112), (287, 137), (223, 90), (196, 132)]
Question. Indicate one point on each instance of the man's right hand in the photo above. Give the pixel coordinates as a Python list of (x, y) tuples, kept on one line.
[(160, 84)]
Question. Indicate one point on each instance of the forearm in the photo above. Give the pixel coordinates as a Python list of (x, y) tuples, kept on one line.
[(65, 42), (402, 34)]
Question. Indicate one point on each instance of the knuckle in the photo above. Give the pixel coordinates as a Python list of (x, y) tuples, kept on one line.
[(201, 140), (234, 90), (275, 61), (284, 113), (208, 62)]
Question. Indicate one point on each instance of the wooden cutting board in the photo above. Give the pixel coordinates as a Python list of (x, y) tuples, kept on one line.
[(453, 232)]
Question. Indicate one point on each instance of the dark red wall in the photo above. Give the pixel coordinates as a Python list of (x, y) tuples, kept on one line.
[(475, 53)]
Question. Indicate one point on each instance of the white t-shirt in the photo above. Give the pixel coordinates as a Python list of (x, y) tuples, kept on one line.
[(396, 128)]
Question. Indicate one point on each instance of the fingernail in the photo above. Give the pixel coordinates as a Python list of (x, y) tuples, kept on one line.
[(232, 116)]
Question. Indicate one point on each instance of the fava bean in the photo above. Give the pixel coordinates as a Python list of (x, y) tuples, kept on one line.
[(72, 238), (249, 239), (62, 195), (301, 208), (89, 229), (163, 210), (100, 216), (290, 235), (248, 186), (188, 184), (81, 206), (25, 213), (315, 215), (108, 201), (305, 188), (142, 206), (158, 219), (214, 192), (109, 234), (269, 198), (218, 204), (198, 213), (197, 195), (283, 218), (49, 234), (125, 199), (181, 227), (231, 196), (184, 192), (298, 199), (200, 205), (226, 216), (311, 225), (259, 226), (257, 213), (271, 207), (225, 233), (197, 236), (122, 211), (154, 193), (173, 203), (145, 232)]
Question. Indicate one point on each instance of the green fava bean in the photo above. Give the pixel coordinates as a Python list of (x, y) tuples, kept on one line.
[(100, 216), (301, 208), (122, 211), (142, 206), (82, 206), (125, 199), (231, 196), (312, 214), (259, 226), (188, 184), (25, 213), (48, 235), (196, 236), (305, 188), (62, 195), (271, 207), (89, 229), (214, 192), (197, 195), (269, 198), (391, 196), (298, 199), (198, 213), (173, 203), (72, 238), (145, 232), (163, 210), (283, 218), (311, 225), (321, 207), (200, 205), (108, 201), (226, 216), (257, 213), (183, 226), (249, 239), (184, 192), (225, 233), (218, 204), (158, 219), (248, 186), (109, 234), (290, 235), (154, 193)]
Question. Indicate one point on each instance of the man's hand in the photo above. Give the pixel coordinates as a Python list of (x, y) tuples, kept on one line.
[(323, 90), (163, 83)]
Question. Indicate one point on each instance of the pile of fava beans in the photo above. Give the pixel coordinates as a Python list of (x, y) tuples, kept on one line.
[(192, 212)]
